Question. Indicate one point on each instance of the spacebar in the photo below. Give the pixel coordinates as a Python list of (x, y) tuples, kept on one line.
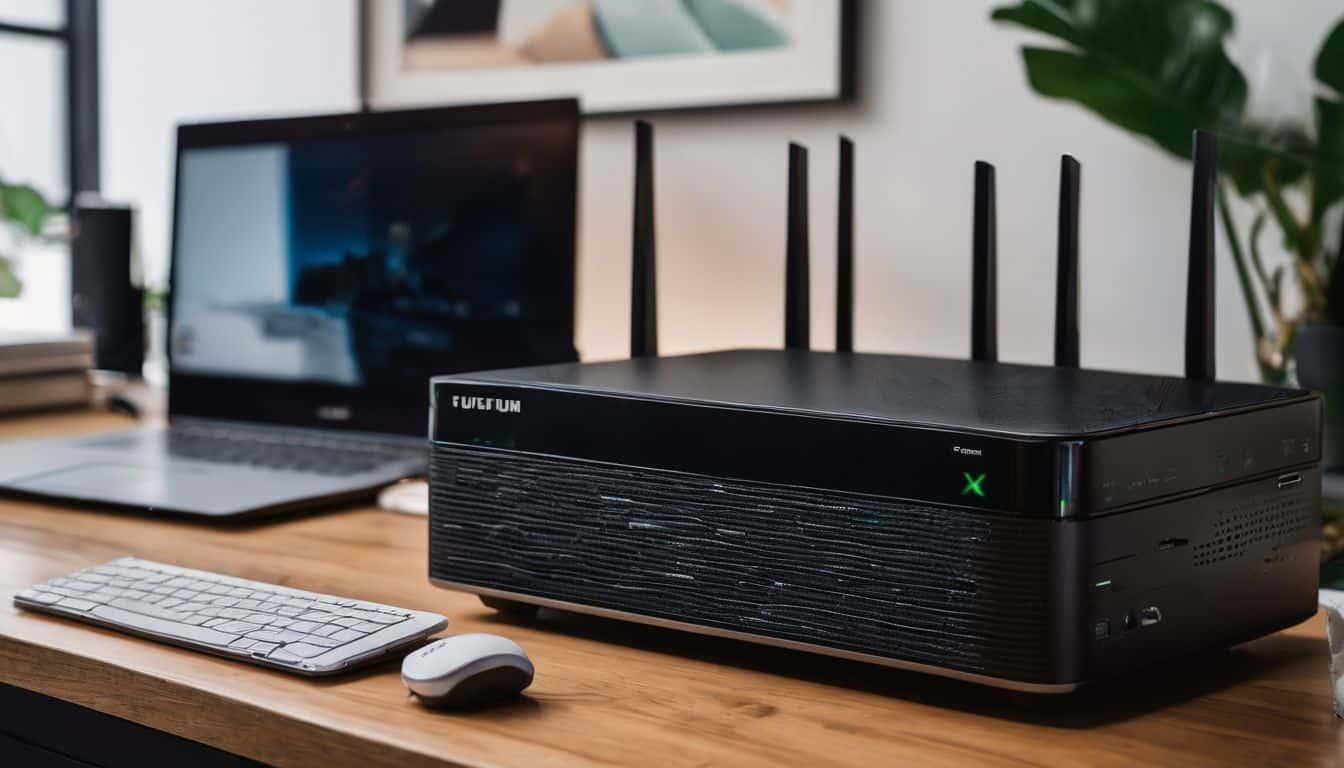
[(160, 627)]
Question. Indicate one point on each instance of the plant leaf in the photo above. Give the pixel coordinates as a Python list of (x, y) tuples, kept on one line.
[(1328, 173), (24, 206), (1334, 297), (1156, 68), (10, 287), (1330, 59)]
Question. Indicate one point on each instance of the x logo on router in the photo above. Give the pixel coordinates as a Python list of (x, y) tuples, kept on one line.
[(974, 485)]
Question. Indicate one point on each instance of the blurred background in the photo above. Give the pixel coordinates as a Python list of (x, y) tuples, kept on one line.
[(939, 85)]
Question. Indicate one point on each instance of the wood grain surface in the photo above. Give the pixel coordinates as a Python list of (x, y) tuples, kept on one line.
[(606, 693)]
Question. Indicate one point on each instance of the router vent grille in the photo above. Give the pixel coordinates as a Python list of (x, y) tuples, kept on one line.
[(955, 588), (1264, 522)]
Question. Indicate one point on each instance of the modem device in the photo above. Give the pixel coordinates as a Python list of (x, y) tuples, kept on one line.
[(1031, 527)]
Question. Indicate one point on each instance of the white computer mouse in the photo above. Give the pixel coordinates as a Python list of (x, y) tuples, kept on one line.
[(467, 670)]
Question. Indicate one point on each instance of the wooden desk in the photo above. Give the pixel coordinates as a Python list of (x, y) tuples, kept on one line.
[(605, 693)]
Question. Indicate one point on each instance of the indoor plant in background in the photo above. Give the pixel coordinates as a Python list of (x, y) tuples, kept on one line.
[(24, 213), (1160, 69)]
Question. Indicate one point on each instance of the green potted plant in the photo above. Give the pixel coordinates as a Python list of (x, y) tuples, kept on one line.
[(1160, 69), (24, 212)]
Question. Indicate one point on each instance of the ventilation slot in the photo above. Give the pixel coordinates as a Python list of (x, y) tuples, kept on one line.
[(1263, 523)]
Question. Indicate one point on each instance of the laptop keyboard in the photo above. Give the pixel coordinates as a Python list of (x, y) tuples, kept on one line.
[(275, 450)]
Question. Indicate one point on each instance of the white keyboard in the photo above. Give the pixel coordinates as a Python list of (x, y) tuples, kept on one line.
[(302, 632)]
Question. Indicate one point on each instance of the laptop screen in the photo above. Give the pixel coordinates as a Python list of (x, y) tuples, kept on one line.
[(331, 266)]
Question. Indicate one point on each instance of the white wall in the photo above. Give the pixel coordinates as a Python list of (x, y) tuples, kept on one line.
[(941, 87), (198, 60), (32, 151)]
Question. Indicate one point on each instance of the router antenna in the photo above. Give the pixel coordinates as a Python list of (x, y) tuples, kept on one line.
[(797, 318), (644, 269), (844, 251), (984, 313), (1199, 289), (1066, 276)]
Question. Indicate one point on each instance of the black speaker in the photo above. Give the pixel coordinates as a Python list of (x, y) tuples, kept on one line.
[(104, 299)]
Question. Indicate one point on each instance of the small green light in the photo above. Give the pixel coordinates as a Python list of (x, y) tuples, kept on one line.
[(1063, 508), (973, 485)]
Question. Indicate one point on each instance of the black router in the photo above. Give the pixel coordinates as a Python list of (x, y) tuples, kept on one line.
[(1030, 527)]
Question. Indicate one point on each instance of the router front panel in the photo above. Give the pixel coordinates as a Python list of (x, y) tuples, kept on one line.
[(966, 592)]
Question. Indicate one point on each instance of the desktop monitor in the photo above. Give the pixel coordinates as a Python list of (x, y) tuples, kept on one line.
[(323, 268)]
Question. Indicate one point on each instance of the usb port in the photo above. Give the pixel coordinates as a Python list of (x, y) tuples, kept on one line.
[(1290, 479), (1166, 544)]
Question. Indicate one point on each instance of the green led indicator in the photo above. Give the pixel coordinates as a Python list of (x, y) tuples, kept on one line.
[(974, 485)]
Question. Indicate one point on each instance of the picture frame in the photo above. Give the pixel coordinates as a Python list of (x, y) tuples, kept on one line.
[(615, 56)]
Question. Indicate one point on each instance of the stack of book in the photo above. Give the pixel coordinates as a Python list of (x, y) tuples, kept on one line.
[(41, 371)]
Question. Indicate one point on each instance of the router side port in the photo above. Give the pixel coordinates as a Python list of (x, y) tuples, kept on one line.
[(1290, 479)]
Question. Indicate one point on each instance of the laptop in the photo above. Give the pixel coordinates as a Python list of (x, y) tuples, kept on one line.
[(323, 269)]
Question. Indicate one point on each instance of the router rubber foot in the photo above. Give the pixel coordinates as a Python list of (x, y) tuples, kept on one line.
[(511, 607)]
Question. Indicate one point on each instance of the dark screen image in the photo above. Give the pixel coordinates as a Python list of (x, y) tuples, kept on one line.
[(373, 261)]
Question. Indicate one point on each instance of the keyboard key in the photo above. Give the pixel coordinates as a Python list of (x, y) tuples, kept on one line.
[(237, 627), (346, 621), (327, 629), (367, 627), (149, 609), (259, 618), (316, 616), (305, 651), (275, 636), (325, 642), (76, 604), (347, 635), (263, 648), (283, 656), (233, 613), (161, 627), (280, 622), (46, 598), (304, 626), (242, 643)]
